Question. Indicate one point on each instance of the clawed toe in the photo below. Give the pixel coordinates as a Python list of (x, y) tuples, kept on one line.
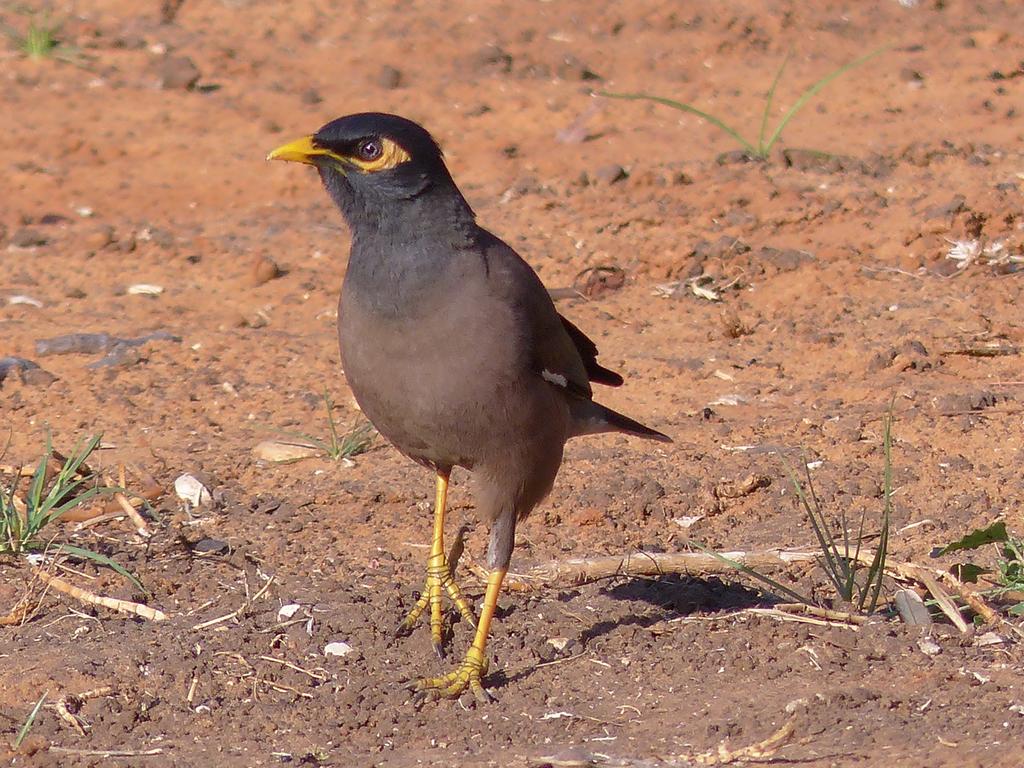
[(468, 675)]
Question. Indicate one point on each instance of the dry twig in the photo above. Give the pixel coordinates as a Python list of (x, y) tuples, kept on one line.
[(74, 701), (584, 570), (115, 604), (238, 611), (578, 571), (106, 752), (762, 750)]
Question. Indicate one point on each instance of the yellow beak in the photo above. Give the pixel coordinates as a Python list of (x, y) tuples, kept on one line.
[(300, 151)]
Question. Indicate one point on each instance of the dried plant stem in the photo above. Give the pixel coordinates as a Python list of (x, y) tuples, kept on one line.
[(843, 617), (64, 713), (17, 614), (114, 506), (578, 571), (115, 604), (759, 752), (69, 717), (107, 752), (122, 501), (238, 611), (584, 570)]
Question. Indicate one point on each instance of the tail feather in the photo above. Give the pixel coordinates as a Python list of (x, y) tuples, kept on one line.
[(590, 418)]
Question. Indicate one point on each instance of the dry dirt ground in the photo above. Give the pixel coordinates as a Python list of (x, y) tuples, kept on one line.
[(140, 161)]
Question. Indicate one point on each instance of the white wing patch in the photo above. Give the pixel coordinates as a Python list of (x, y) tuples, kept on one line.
[(555, 378)]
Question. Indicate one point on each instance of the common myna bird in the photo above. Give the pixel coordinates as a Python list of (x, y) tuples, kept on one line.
[(453, 350)]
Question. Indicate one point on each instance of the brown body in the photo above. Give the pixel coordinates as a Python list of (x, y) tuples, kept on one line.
[(437, 385), (453, 348)]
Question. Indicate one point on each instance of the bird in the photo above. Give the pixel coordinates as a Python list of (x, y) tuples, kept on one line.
[(454, 351)]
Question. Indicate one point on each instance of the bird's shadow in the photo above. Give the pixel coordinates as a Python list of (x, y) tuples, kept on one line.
[(675, 595)]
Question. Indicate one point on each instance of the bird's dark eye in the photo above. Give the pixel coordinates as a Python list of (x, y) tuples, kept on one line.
[(369, 149)]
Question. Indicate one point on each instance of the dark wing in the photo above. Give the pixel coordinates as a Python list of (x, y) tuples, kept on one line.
[(588, 351), (553, 347)]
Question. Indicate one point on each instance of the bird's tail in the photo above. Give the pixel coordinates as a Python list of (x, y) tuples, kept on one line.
[(590, 418)]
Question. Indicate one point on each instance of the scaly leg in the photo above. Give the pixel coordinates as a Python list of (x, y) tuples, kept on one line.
[(439, 578), (470, 673)]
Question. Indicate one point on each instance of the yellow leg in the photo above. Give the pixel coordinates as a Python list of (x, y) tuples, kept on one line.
[(439, 578), (470, 673)]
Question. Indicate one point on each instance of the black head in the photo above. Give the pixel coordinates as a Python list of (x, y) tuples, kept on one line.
[(373, 160)]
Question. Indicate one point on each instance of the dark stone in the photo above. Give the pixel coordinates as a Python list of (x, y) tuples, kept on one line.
[(176, 72), (610, 173), (28, 238), (389, 78), (946, 210), (491, 57)]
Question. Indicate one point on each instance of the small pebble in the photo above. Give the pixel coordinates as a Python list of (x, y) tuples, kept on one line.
[(337, 648), (929, 647), (210, 546), (27, 371), (174, 72), (25, 300), (263, 270), (491, 57), (389, 78), (189, 489), (610, 173), (28, 238), (100, 237), (558, 643)]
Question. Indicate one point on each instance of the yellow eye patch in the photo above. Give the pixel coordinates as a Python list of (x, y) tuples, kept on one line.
[(391, 156), (305, 150)]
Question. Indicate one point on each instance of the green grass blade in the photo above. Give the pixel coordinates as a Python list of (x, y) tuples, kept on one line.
[(768, 107), (746, 569), (811, 92), (832, 547), (10, 522), (78, 500), (877, 571), (35, 489), (357, 441), (306, 439), (81, 454), (27, 726), (855, 560), (683, 107), (96, 557), (335, 447), (979, 537), (829, 565)]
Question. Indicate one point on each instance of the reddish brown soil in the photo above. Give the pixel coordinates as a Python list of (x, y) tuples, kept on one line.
[(836, 295)]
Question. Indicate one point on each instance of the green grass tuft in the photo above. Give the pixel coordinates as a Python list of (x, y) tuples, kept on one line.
[(338, 446), (855, 583), (40, 41), (763, 147), (1008, 576), (842, 562), (24, 531)]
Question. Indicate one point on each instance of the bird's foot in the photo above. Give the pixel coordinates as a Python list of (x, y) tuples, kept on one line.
[(468, 675), (439, 581)]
